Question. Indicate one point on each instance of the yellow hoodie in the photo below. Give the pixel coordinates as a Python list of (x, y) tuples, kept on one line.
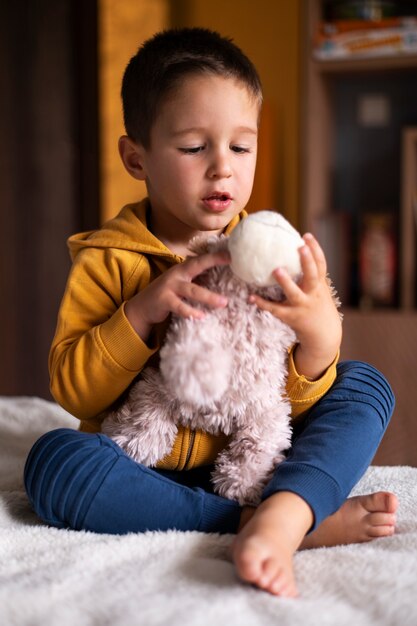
[(96, 354)]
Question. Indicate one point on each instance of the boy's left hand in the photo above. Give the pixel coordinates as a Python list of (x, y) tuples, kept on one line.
[(309, 309)]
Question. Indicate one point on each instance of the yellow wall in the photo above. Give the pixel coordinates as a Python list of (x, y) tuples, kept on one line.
[(123, 26), (268, 32)]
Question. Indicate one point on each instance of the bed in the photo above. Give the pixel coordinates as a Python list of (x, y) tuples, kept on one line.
[(67, 578)]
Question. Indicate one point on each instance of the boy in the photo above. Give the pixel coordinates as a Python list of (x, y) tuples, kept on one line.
[(192, 102)]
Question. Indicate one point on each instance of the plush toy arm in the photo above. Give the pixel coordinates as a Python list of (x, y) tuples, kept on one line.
[(144, 425), (196, 361)]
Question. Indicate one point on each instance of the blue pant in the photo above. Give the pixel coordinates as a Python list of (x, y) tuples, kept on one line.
[(85, 481)]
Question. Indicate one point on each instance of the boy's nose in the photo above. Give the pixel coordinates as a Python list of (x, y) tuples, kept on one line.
[(220, 167)]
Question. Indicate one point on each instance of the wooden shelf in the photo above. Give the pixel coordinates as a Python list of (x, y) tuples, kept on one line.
[(366, 64), (384, 337), (321, 144)]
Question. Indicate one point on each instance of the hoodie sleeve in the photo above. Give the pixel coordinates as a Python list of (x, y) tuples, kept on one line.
[(302, 392), (95, 353)]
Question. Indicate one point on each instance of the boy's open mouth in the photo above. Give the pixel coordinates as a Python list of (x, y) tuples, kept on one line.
[(217, 201), (223, 197)]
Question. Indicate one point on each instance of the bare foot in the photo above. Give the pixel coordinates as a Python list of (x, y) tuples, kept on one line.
[(359, 519), (268, 537)]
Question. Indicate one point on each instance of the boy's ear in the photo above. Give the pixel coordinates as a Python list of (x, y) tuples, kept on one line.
[(132, 155)]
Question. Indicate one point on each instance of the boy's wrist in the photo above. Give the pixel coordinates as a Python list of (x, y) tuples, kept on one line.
[(312, 364), (139, 325)]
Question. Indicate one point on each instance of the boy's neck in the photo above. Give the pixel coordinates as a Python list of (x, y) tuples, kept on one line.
[(168, 234), (177, 248)]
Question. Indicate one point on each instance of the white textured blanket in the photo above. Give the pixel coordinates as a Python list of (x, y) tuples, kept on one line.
[(68, 578)]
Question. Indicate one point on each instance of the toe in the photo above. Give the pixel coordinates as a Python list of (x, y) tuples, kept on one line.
[(283, 587), (248, 569), (381, 531), (381, 519), (249, 560), (268, 574), (391, 502), (381, 501)]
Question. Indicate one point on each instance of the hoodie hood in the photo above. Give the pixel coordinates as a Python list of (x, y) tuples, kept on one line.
[(129, 231)]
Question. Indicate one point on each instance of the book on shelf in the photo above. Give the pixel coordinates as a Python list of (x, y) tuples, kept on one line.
[(408, 279), (378, 261), (348, 39)]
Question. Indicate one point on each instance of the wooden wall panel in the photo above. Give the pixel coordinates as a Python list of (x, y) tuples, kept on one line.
[(388, 340)]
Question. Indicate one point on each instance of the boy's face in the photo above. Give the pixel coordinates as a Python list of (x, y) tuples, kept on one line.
[(200, 166)]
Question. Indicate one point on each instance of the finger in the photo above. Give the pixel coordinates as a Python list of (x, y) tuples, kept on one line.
[(195, 292), (309, 269), (183, 309), (197, 265), (277, 309), (291, 290), (317, 252)]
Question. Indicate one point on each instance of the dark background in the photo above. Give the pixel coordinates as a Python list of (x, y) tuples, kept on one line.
[(48, 172)]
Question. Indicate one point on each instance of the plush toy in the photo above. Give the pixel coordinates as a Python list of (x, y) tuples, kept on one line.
[(226, 372)]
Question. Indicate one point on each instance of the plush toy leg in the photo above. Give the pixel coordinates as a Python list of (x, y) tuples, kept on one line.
[(246, 465), (144, 425)]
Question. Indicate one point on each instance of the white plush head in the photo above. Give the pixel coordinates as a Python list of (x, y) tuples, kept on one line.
[(260, 244)]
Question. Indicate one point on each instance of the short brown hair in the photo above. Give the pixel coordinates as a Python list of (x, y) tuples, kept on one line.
[(165, 59)]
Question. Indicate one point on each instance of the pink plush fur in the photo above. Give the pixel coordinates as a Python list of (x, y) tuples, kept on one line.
[(224, 373)]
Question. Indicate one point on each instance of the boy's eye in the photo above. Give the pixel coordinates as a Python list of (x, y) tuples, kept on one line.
[(239, 149), (193, 150)]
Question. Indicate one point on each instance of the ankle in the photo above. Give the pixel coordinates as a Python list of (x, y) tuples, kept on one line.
[(285, 514), (247, 513)]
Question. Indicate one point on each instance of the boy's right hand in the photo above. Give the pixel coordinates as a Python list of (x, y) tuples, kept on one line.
[(167, 294)]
